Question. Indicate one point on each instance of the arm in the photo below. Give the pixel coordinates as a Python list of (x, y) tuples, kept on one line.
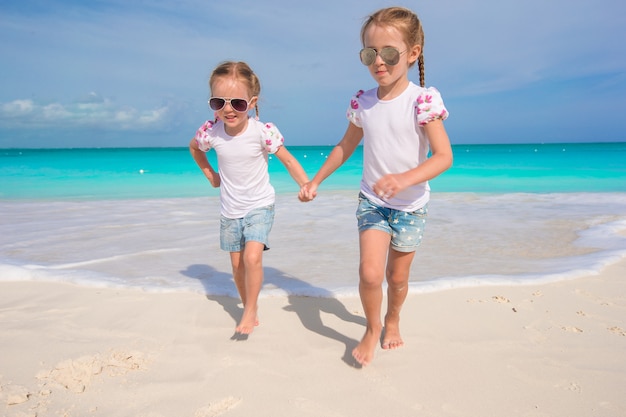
[(439, 161), (340, 154), (203, 163), (293, 166)]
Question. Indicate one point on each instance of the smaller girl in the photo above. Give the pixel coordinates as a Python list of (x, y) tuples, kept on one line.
[(247, 198)]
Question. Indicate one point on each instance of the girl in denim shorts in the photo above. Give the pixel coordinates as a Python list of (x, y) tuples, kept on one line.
[(242, 144), (400, 123)]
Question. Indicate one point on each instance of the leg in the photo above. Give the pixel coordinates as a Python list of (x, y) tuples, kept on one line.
[(239, 274), (398, 267), (253, 280), (374, 245)]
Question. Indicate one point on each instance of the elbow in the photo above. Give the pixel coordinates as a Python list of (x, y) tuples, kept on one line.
[(444, 160)]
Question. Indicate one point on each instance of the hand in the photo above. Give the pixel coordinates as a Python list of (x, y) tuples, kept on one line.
[(307, 192), (388, 186)]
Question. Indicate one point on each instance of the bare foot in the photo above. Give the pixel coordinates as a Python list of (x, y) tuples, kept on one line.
[(391, 336), (248, 321), (364, 352)]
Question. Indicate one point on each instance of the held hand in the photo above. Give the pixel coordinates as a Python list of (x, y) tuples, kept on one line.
[(388, 186), (307, 192)]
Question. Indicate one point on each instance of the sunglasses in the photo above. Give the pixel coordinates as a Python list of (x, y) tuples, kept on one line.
[(389, 55), (238, 104)]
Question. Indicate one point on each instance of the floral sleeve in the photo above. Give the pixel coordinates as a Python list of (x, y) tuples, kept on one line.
[(429, 106), (272, 138), (203, 136), (354, 111)]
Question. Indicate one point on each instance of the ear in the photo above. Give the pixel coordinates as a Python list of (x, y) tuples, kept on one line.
[(414, 53), (253, 102)]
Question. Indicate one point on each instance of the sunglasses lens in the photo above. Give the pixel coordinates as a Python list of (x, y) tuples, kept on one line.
[(368, 56), (216, 103), (391, 56), (239, 104)]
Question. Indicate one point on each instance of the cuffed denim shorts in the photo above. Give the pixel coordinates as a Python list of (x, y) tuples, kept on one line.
[(254, 226), (406, 228)]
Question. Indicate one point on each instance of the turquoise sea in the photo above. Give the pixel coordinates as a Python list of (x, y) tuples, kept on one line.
[(147, 218), (170, 172)]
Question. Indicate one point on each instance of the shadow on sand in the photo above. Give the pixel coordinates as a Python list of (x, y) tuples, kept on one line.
[(308, 308)]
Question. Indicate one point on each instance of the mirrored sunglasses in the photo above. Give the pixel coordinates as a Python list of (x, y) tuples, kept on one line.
[(389, 55), (238, 104)]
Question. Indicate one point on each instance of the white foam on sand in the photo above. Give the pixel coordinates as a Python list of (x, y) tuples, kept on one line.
[(173, 244)]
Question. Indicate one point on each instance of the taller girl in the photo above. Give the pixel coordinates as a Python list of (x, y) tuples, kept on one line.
[(399, 123)]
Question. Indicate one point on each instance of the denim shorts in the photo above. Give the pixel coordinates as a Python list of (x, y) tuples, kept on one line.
[(406, 228), (254, 226)]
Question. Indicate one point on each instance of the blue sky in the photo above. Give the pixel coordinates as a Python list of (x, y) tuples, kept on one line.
[(134, 73)]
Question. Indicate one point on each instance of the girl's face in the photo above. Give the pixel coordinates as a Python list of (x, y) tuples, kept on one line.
[(391, 79), (235, 123)]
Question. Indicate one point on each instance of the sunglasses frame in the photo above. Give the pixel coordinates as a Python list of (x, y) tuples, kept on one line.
[(366, 56), (229, 101)]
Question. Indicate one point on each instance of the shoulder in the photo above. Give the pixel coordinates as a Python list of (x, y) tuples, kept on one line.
[(429, 105), (361, 96), (205, 133), (271, 138), (358, 101)]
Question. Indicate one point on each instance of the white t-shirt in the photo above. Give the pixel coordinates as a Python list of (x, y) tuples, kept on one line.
[(242, 164), (394, 140)]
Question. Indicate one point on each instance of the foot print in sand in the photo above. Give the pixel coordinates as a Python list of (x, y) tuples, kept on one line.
[(617, 330), (572, 329), (218, 408), (500, 299)]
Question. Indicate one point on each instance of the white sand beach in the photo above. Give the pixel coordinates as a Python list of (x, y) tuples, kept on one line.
[(555, 349)]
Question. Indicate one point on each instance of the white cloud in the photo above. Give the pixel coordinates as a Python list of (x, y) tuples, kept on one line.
[(17, 108), (104, 114)]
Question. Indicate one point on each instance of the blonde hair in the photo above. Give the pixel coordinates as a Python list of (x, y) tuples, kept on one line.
[(242, 72), (407, 23)]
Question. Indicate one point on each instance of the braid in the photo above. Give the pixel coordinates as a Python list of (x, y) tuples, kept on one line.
[(420, 66)]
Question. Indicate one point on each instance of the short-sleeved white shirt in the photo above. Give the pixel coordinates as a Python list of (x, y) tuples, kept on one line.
[(242, 164), (394, 140)]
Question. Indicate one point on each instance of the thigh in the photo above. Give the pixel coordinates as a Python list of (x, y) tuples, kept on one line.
[(373, 247), (235, 259)]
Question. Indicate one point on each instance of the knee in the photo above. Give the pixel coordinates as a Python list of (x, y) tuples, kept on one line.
[(397, 280), (370, 275), (253, 259)]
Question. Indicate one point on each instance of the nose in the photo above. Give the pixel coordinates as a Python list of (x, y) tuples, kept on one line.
[(378, 60)]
